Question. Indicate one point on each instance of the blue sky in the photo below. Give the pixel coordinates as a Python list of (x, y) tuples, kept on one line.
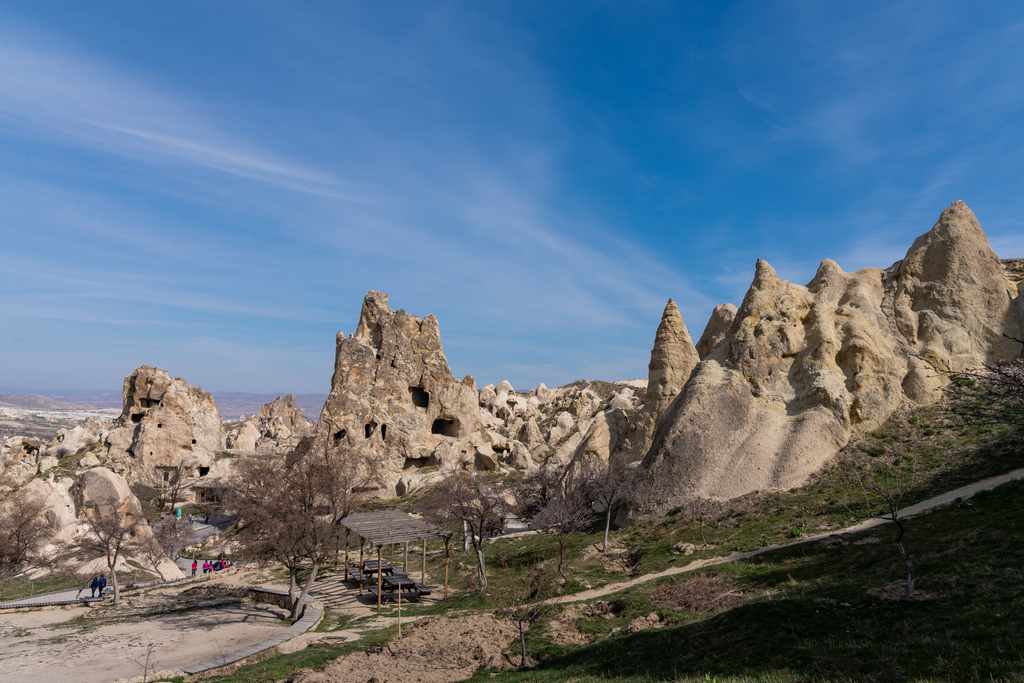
[(212, 187)]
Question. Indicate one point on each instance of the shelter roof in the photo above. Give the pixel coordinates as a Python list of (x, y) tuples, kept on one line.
[(385, 527)]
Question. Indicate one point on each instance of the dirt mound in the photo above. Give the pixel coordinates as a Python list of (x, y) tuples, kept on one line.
[(700, 594), (435, 650)]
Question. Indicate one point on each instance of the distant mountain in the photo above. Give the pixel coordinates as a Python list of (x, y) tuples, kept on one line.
[(37, 402), (232, 404)]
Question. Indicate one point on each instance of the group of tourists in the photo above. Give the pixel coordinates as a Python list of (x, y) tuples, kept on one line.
[(210, 566), (98, 584)]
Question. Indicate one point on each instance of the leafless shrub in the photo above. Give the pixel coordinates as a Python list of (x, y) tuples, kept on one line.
[(23, 529), (699, 594)]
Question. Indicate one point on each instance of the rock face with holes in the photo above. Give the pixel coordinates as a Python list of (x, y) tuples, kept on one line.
[(165, 423), (803, 366), (393, 396)]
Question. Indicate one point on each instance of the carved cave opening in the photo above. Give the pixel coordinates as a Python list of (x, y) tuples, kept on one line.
[(383, 431), (369, 429), (418, 462), (420, 397), (203, 471), (339, 435), (445, 427), (137, 417)]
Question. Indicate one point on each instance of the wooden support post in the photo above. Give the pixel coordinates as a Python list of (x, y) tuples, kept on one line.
[(423, 576), (360, 565), (380, 550), (446, 541), (392, 560), (405, 557), (346, 554)]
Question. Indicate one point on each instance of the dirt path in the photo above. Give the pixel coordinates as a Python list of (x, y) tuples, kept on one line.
[(923, 506)]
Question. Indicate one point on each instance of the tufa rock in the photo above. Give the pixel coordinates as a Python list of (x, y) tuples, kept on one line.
[(672, 360), (394, 398), (803, 366), (164, 423), (717, 329)]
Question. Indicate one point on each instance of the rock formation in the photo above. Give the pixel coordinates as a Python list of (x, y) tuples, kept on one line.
[(802, 366), (279, 424), (164, 423), (717, 328), (393, 396), (672, 360)]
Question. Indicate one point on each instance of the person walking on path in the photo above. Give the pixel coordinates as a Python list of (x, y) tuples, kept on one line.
[(194, 565), (103, 584), (94, 585)]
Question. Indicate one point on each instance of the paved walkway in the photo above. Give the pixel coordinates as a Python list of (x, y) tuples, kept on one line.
[(910, 511)]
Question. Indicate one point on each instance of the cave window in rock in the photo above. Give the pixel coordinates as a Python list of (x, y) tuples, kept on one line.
[(383, 431), (193, 442), (339, 435), (203, 471), (137, 417), (445, 427), (418, 462), (369, 428), (420, 397), (159, 426), (147, 402), (169, 475)]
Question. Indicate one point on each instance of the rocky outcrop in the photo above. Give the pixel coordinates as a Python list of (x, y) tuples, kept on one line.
[(164, 423), (278, 425), (672, 360), (394, 398), (717, 328), (803, 366)]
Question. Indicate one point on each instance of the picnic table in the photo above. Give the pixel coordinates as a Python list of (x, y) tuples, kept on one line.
[(399, 585), (373, 566)]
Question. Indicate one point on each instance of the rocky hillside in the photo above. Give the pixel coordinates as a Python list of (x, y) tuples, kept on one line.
[(800, 367)]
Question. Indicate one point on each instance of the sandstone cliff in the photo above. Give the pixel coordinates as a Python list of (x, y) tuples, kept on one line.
[(800, 367)]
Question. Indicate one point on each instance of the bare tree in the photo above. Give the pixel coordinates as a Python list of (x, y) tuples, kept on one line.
[(114, 532), (459, 499), (567, 509), (606, 486), (881, 487), (702, 509), (23, 529), (290, 508), (991, 395), (521, 600)]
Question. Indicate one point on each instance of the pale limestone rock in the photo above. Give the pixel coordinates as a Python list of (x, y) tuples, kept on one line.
[(506, 387), (542, 393), (802, 367), (89, 460), (717, 329), (393, 396), (164, 422), (563, 454), (604, 439), (672, 360), (530, 434), (518, 456), (487, 395), (47, 463)]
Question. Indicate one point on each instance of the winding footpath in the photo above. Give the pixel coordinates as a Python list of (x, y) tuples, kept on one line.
[(910, 511)]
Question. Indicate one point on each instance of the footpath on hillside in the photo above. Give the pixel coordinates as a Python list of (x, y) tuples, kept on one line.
[(910, 511)]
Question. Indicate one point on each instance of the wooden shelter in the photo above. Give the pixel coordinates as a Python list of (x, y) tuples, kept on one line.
[(391, 527)]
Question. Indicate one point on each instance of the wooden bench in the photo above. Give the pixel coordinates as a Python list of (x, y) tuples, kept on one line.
[(422, 590), (352, 575), (392, 596)]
